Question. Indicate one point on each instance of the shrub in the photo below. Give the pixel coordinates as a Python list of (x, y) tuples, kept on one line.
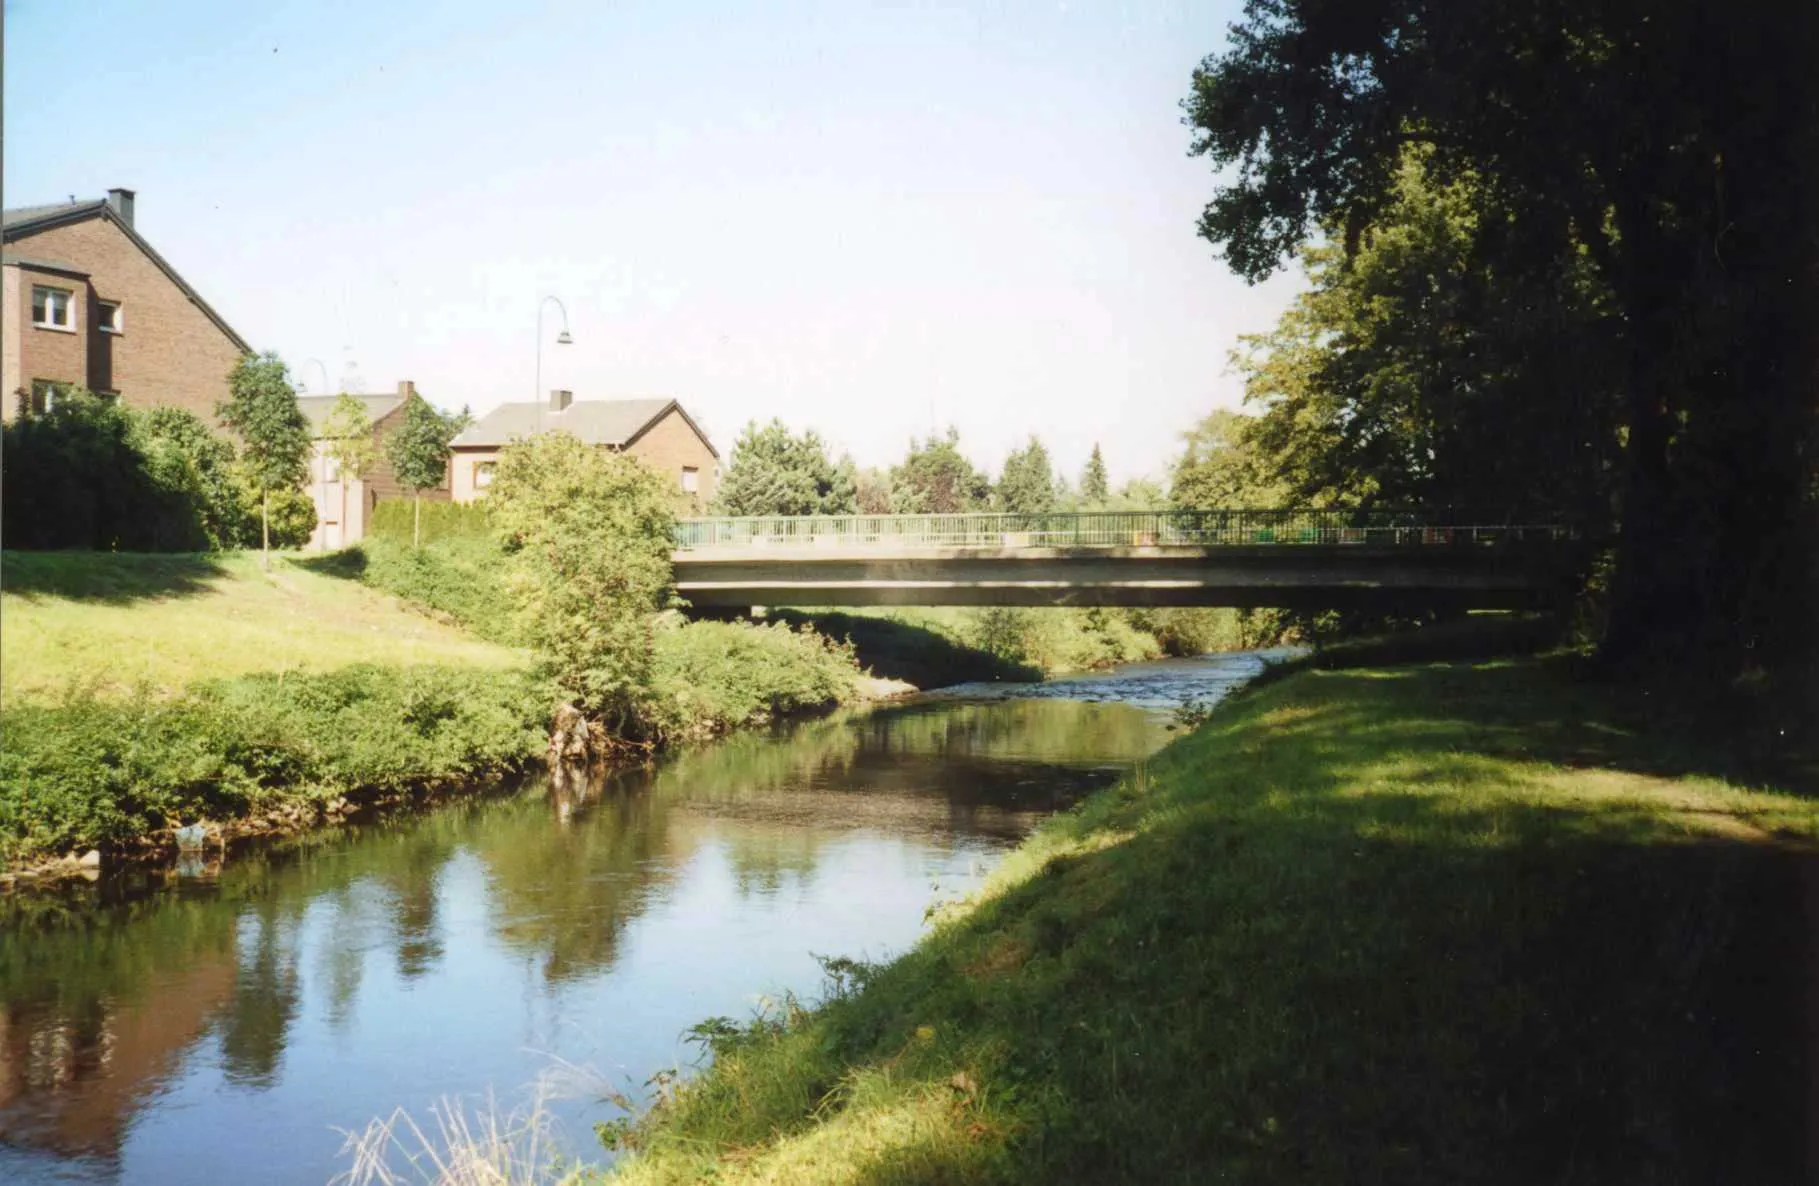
[(441, 520), (715, 676), (461, 576), (90, 772)]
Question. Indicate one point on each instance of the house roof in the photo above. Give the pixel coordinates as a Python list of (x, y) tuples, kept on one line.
[(40, 263), (23, 221), (318, 408), (615, 422)]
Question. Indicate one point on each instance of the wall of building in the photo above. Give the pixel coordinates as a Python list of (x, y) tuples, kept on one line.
[(42, 352), (170, 353), (669, 445), (12, 320), (462, 462), (344, 509)]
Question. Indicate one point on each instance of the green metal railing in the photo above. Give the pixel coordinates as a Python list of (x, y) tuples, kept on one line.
[(1109, 529)]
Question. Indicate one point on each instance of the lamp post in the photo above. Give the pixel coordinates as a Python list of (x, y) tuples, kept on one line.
[(319, 366), (562, 339)]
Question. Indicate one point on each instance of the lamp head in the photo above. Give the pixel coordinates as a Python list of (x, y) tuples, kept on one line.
[(562, 339)]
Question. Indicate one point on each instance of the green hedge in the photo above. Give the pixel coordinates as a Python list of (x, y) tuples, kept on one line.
[(393, 517), (90, 772), (715, 676)]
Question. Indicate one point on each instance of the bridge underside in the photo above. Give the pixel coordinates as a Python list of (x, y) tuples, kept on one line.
[(1298, 576)]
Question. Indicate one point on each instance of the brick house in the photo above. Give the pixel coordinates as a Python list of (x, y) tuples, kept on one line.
[(89, 303), (655, 431), (344, 506)]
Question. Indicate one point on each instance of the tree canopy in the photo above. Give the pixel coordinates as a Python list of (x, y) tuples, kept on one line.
[(1027, 484), (262, 410), (1095, 485), (777, 472), (937, 479), (1663, 150), (418, 450)]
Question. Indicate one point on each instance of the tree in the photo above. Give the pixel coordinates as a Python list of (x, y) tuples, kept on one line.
[(349, 444), (589, 535), (201, 481), (937, 479), (275, 446), (418, 452), (1095, 486), (1414, 373), (775, 472), (872, 491), (1677, 163), (1027, 484), (1219, 468)]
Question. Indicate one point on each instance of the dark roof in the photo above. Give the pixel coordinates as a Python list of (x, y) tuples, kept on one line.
[(22, 221), (24, 214), (615, 422), (33, 261), (318, 408)]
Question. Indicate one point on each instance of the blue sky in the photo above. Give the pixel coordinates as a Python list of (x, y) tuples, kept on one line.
[(863, 220)]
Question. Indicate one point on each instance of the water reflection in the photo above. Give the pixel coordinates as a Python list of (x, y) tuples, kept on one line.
[(189, 1024)]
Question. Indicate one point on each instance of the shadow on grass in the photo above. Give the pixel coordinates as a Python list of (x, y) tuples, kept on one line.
[(112, 578), (913, 654), (348, 564), (1354, 929)]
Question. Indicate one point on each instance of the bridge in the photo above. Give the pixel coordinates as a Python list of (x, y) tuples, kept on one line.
[(1316, 559)]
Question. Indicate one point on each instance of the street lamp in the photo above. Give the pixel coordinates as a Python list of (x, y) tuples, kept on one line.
[(562, 339), (320, 367)]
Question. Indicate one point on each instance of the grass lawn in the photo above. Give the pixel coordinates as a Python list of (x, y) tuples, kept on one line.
[(1453, 924), (70, 618)]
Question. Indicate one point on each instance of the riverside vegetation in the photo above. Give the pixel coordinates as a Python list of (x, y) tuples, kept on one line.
[(145, 692), (1449, 922)]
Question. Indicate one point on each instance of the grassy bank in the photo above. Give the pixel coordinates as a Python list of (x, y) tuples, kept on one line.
[(1454, 923), (115, 622), (143, 692)]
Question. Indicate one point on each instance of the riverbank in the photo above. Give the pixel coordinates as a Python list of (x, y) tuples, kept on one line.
[(147, 692), (1458, 922)]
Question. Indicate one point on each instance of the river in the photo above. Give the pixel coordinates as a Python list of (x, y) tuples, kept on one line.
[(230, 1021)]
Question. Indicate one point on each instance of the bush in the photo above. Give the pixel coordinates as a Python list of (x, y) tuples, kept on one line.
[(441, 521), (92, 773), (461, 576), (715, 676)]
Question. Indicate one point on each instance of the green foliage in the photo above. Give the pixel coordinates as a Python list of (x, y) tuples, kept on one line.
[(1220, 469), (292, 517), (1608, 160), (872, 491), (590, 535), (91, 772), (462, 577), (262, 410), (418, 448), (436, 521), (775, 472), (196, 471), (937, 479), (710, 677), (74, 478), (1095, 486), (1027, 485), (924, 648), (1295, 946), (348, 434)]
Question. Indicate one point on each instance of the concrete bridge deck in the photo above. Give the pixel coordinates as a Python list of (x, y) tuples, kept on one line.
[(1336, 567)]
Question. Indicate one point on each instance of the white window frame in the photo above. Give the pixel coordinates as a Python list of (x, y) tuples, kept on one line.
[(115, 324), (51, 292), (483, 474), (691, 479), (50, 389)]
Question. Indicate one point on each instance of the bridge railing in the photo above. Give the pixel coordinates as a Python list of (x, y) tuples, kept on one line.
[(1106, 529)]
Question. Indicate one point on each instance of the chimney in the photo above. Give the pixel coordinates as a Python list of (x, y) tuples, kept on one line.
[(406, 389), (560, 400), (120, 201)]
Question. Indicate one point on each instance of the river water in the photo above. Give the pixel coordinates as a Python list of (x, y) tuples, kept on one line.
[(230, 1021)]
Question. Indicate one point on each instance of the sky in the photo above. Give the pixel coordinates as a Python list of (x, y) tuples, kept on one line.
[(869, 221)]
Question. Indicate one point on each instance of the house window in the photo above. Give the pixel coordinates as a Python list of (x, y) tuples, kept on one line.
[(483, 474), (691, 479), (45, 394), (108, 318), (51, 308)]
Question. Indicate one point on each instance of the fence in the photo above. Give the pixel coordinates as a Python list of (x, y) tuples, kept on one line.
[(1108, 529)]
